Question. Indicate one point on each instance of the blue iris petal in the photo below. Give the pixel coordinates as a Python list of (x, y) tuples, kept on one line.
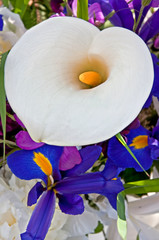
[(151, 27), (154, 143), (155, 132), (1, 22), (53, 153), (110, 170), (111, 191), (155, 88), (89, 183), (35, 193), (112, 199), (137, 7), (71, 204), (107, 9), (41, 218), (89, 155), (155, 153), (122, 158), (123, 11), (23, 166)]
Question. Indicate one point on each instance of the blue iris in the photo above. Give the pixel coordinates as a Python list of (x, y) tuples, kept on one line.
[(43, 163), (1, 22), (143, 143)]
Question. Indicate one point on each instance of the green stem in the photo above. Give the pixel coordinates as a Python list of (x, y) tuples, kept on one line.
[(121, 139), (139, 18), (10, 116), (105, 237), (8, 142)]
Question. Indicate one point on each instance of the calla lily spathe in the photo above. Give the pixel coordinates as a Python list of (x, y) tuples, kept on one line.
[(42, 81)]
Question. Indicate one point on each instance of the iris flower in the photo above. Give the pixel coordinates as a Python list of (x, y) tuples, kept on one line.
[(43, 163), (77, 85), (143, 143)]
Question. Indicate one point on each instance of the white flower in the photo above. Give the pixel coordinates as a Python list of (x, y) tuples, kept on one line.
[(80, 225), (13, 29), (142, 216), (42, 83), (13, 212)]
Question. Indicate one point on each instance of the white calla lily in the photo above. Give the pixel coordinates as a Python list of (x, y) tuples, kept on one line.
[(42, 81)]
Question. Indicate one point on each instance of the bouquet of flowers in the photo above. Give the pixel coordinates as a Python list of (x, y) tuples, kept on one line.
[(79, 129)]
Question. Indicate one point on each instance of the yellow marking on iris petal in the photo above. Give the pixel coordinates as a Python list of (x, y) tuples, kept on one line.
[(114, 178), (90, 78), (140, 142), (43, 163)]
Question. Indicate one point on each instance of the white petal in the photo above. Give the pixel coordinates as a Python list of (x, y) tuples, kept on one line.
[(43, 89), (147, 205), (145, 231), (77, 238), (81, 224), (56, 235)]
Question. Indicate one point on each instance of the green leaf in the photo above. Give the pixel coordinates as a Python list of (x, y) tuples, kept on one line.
[(82, 9), (121, 139), (3, 100), (5, 3), (145, 3), (99, 228), (138, 238), (29, 18), (121, 222), (142, 187), (20, 7)]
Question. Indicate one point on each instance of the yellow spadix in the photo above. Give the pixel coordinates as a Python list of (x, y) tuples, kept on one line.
[(91, 78)]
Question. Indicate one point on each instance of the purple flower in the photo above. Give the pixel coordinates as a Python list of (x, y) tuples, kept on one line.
[(43, 163), (24, 141), (156, 42), (96, 16), (56, 6)]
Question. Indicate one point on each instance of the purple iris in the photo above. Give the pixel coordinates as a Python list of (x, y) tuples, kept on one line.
[(1, 23), (66, 185), (143, 143)]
